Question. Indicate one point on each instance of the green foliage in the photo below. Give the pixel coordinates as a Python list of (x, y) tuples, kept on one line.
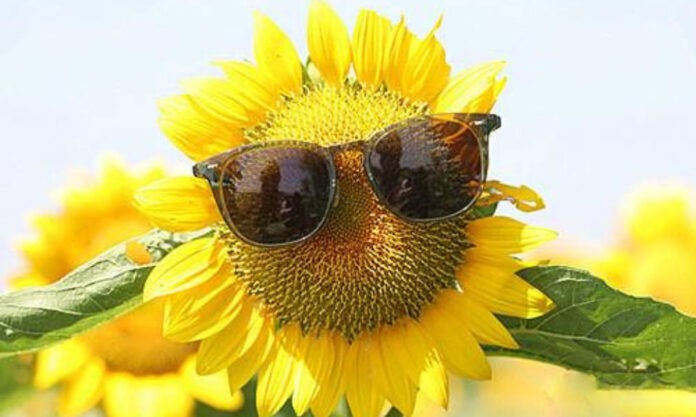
[(624, 341), (99, 291), (15, 381), (478, 212)]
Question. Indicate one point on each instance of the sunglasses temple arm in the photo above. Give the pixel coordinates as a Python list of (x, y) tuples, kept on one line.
[(485, 155), (489, 124)]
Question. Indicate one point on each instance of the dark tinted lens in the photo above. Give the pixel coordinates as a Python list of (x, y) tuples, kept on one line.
[(275, 195), (427, 169)]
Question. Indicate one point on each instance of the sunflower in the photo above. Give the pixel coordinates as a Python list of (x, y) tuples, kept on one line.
[(655, 256), (126, 364), (371, 307)]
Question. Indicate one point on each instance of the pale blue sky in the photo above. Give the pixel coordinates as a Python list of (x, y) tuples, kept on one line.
[(600, 98)]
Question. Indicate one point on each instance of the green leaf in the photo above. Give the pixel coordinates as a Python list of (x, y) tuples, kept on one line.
[(98, 291), (478, 212), (624, 341), (15, 381)]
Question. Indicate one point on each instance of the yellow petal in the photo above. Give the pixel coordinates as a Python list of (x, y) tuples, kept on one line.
[(276, 55), (193, 131), (245, 366), (220, 350), (363, 380), (58, 362), (330, 381), (328, 42), (416, 354), (484, 102), (305, 379), (178, 204), (490, 279), (274, 383), (211, 389), (146, 396), (482, 323), (465, 91), (186, 267), (434, 382), (524, 198), (458, 348), (426, 72), (399, 51), (315, 365), (253, 90), (200, 313), (399, 389), (220, 99), (371, 41), (84, 389), (505, 235)]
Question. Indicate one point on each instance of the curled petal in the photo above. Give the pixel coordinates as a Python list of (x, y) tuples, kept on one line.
[(524, 198)]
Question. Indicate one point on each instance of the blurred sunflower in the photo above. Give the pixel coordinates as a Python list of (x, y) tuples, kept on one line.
[(126, 364), (372, 307), (656, 254)]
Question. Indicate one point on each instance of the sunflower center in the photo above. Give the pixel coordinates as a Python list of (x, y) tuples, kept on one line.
[(366, 267)]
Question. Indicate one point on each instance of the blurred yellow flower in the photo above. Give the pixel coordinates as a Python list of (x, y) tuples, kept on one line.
[(656, 254), (126, 364), (372, 307)]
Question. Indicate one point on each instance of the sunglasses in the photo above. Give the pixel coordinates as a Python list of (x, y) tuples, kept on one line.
[(423, 169)]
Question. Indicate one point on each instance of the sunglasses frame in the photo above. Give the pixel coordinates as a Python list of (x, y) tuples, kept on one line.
[(482, 124)]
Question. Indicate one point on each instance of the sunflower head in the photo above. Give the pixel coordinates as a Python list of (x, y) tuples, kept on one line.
[(127, 357), (370, 296)]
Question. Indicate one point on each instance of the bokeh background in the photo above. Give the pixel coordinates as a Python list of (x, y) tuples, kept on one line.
[(600, 99)]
